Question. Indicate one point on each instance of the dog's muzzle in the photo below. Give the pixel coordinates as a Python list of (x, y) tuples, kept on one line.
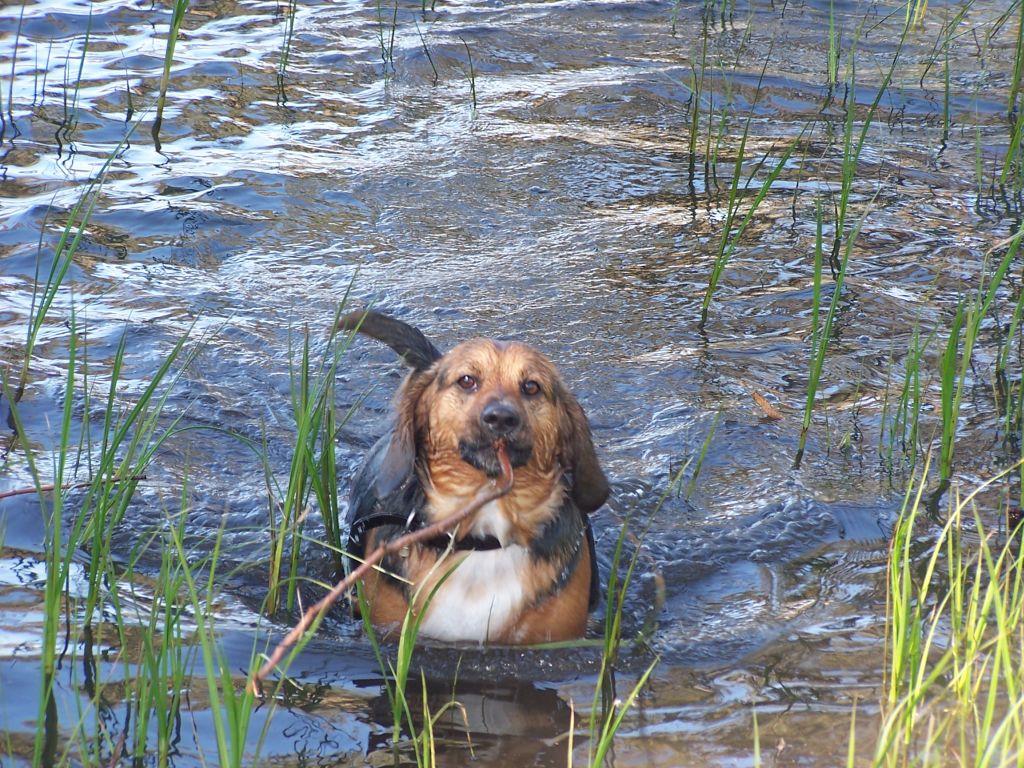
[(482, 454), (499, 418)]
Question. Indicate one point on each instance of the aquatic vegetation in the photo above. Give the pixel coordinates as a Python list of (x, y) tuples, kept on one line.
[(956, 359), (1013, 162), (471, 74), (732, 233), (901, 424), (954, 684), (130, 438), (386, 35), (405, 716), (313, 471), (174, 30), (291, 10)]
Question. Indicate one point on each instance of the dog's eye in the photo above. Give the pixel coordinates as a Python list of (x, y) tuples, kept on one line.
[(530, 388), (467, 382)]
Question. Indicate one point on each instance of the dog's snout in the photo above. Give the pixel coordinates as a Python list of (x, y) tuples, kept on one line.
[(500, 417)]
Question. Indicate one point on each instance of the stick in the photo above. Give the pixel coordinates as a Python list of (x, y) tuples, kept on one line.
[(436, 529), (64, 487)]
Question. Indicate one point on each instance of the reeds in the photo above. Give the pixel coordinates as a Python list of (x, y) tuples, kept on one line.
[(844, 236), (82, 517), (731, 232), (956, 361), (954, 684), (386, 38), (230, 707), (821, 333), (130, 437), (174, 28), (1012, 161), (471, 74), (290, 11), (45, 289), (312, 472), (900, 427), (166, 655)]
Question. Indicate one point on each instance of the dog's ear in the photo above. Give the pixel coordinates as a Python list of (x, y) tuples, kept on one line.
[(589, 485), (414, 348), (399, 460)]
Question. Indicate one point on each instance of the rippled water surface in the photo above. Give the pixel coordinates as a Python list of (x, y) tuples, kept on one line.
[(516, 169)]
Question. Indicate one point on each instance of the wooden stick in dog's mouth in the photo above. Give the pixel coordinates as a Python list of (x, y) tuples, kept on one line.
[(482, 498)]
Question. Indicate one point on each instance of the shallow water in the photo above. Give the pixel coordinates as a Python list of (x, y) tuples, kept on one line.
[(564, 209)]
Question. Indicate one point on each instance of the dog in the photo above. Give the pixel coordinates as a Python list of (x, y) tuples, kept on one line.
[(522, 570)]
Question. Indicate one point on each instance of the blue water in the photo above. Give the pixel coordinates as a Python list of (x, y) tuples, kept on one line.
[(563, 209)]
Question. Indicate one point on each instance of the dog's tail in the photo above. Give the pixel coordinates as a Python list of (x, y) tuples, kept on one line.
[(414, 348)]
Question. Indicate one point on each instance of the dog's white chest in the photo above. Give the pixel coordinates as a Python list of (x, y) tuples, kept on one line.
[(491, 521), (480, 598)]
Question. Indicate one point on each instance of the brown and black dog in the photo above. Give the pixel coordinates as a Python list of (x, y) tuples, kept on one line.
[(525, 567)]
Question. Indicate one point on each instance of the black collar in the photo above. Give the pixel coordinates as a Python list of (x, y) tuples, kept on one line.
[(466, 543), (415, 522)]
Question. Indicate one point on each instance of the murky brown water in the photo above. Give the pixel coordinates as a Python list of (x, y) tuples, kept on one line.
[(565, 210)]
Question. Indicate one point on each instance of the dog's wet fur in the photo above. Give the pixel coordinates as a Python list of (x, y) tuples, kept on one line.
[(522, 569)]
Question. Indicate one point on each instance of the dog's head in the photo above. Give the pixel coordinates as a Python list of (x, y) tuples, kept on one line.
[(453, 408)]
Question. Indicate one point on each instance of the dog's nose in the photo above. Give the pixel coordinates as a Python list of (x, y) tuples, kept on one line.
[(500, 417)]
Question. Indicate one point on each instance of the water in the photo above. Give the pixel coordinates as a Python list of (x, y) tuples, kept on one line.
[(565, 210)]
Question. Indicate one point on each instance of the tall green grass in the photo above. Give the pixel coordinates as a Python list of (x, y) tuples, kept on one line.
[(291, 11), (844, 234), (386, 37), (82, 517), (821, 332), (178, 10), (72, 89), (1013, 162), (955, 365), (900, 432), (82, 526), (86, 522), (738, 189), (471, 74), (166, 654), (47, 288), (230, 705), (835, 34), (130, 435), (697, 78), (312, 475), (955, 684)]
